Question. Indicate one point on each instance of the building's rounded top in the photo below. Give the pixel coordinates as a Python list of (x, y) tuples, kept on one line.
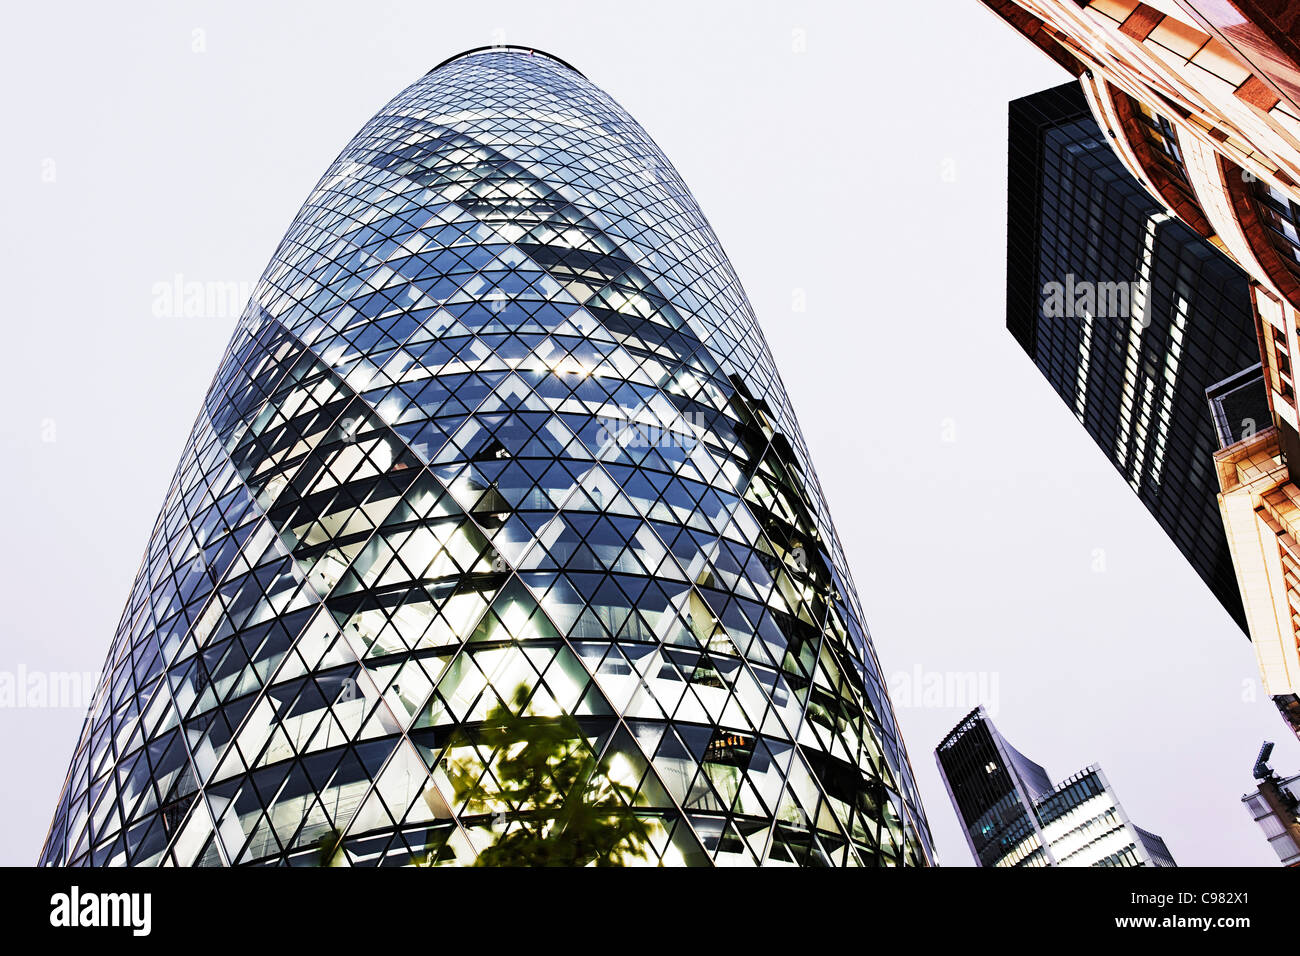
[(508, 48)]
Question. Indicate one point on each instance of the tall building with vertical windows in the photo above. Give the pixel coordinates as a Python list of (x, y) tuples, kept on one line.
[(1131, 317), (1013, 816), (495, 539), (1200, 101), (1275, 808)]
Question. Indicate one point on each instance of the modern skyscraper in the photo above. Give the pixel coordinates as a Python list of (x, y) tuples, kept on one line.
[(1013, 816), (1275, 807), (496, 539), (1131, 317), (1200, 101)]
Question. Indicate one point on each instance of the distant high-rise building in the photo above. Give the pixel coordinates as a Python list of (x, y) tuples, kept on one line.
[(1131, 317), (495, 540), (1275, 807), (1200, 100), (1012, 815)]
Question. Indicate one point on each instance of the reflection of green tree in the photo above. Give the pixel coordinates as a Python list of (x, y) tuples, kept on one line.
[(563, 808), (329, 848)]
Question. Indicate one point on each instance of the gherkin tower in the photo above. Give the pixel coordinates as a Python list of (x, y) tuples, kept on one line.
[(495, 540)]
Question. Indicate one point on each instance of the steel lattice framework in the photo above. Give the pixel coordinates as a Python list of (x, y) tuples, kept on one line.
[(497, 461)]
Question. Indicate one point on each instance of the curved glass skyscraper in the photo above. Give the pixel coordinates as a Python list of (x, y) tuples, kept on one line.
[(496, 539)]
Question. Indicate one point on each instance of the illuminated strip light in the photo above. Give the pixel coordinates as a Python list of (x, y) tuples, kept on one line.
[(1140, 436), (1085, 357), (1173, 359), (1137, 311)]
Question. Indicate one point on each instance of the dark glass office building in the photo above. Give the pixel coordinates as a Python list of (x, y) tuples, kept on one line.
[(495, 540), (1131, 317), (993, 786), (1012, 815)]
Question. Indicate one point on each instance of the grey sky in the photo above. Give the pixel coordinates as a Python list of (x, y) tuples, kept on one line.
[(970, 502)]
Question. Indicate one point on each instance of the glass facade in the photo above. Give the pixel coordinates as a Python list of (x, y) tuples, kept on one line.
[(1163, 139), (1235, 406), (1275, 808), (495, 540), (1282, 217), (1013, 817), (1131, 317), (993, 787)]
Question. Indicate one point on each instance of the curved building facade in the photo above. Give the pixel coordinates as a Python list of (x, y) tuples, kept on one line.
[(495, 540), (1200, 101)]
